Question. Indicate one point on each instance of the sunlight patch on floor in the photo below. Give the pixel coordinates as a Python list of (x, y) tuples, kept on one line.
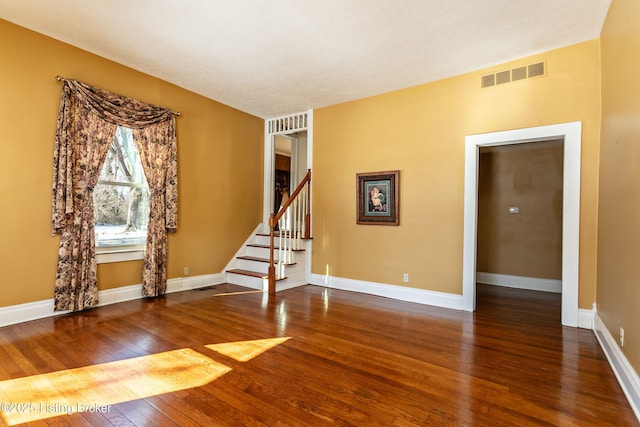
[(243, 351), (94, 388)]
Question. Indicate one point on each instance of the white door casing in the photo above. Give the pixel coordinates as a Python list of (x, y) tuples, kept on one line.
[(572, 135), (284, 125)]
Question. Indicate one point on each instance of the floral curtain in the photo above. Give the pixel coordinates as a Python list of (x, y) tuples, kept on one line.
[(87, 121), (159, 162)]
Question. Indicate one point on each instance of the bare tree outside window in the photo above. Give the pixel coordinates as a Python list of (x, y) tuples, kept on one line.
[(121, 197)]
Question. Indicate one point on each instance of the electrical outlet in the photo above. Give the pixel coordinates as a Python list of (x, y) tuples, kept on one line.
[(185, 271), (621, 336), (405, 278)]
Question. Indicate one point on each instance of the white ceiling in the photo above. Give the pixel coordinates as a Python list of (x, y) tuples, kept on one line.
[(276, 57)]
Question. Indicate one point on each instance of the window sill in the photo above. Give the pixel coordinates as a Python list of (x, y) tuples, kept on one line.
[(119, 255)]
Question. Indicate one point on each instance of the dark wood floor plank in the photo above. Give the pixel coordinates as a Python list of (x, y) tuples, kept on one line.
[(351, 359)]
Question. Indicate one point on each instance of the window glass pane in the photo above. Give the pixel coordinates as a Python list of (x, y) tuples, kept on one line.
[(121, 211), (123, 161), (121, 215)]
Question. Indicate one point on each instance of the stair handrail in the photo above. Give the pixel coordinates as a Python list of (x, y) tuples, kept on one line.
[(273, 222)]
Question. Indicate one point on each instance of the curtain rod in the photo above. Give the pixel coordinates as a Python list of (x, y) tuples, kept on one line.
[(61, 79)]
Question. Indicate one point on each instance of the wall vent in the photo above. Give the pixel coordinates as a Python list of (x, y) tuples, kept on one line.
[(503, 77), (515, 74), (535, 70), (488, 80), (519, 73)]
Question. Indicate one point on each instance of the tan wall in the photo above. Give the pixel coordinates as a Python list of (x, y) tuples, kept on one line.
[(528, 243), (619, 215), (421, 131), (219, 153)]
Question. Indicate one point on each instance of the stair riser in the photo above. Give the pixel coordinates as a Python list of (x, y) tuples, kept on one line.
[(242, 280), (264, 253), (264, 240), (259, 252), (261, 267)]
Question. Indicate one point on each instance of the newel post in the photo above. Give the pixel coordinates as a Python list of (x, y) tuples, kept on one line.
[(272, 268), (307, 220)]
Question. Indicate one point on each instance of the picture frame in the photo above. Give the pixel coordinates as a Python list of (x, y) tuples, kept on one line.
[(377, 198)]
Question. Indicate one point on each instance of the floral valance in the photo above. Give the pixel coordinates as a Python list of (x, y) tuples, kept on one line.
[(117, 109)]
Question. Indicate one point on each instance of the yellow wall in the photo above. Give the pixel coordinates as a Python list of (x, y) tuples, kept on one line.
[(421, 131), (219, 159), (619, 218)]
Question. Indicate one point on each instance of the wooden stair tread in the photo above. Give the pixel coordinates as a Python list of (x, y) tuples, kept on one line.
[(255, 245), (247, 273), (258, 259), (267, 235), (251, 273)]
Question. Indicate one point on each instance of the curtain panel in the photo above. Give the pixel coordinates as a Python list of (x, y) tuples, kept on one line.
[(87, 121)]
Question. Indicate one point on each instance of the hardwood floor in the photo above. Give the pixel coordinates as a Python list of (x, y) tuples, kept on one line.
[(209, 357)]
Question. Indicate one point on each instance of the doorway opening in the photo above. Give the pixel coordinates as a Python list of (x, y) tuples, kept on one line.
[(282, 171), (519, 230), (290, 165), (571, 135), (288, 154)]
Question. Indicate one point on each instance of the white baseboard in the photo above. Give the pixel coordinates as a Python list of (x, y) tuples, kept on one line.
[(626, 375), (420, 296), (585, 318), (25, 312), (402, 293), (194, 282), (115, 295), (41, 309), (520, 282)]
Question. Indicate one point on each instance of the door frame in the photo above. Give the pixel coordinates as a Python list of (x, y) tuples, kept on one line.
[(571, 133), (283, 125)]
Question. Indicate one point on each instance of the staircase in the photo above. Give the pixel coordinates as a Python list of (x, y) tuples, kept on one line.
[(278, 260), (251, 267)]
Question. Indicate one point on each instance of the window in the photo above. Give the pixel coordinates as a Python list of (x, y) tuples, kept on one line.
[(121, 197)]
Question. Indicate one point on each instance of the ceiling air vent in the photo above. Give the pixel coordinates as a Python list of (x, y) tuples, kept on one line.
[(515, 74)]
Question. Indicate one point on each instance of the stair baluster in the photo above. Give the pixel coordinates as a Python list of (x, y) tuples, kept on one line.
[(293, 221)]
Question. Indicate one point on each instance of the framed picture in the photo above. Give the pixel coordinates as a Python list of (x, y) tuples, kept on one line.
[(377, 198)]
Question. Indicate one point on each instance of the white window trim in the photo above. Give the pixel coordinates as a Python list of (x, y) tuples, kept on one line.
[(119, 254)]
